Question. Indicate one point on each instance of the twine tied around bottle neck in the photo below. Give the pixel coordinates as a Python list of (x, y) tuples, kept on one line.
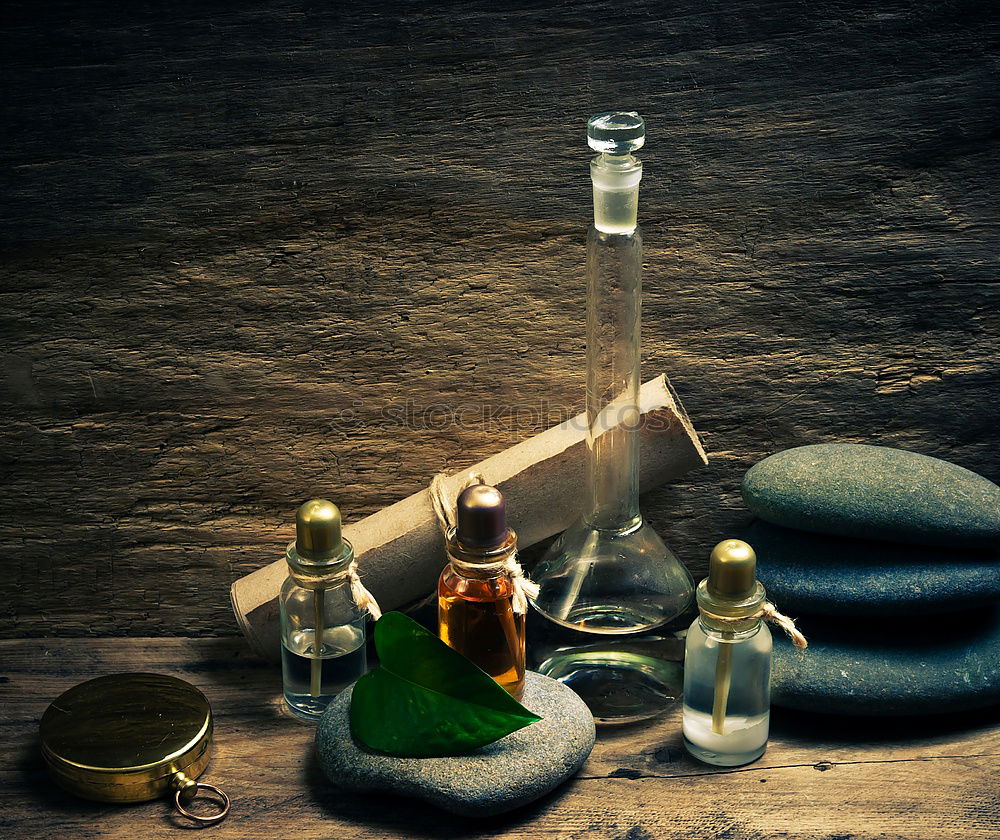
[(444, 504), (360, 594), (767, 612)]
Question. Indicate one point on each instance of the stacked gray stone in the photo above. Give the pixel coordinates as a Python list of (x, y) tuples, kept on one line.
[(889, 562)]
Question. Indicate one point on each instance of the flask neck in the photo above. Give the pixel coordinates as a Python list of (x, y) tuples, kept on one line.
[(614, 305)]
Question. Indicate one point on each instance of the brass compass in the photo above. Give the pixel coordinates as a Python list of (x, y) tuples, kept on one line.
[(132, 738)]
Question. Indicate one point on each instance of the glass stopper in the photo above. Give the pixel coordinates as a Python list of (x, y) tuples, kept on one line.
[(616, 133)]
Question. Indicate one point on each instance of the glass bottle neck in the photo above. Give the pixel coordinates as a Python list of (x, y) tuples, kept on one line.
[(310, 574), (470, 572), (480, 564), (728, 635)]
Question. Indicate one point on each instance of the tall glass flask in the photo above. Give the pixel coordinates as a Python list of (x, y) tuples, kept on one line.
[(610, 576)]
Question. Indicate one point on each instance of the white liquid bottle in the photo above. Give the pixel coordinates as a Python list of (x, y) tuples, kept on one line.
[(727, 663)]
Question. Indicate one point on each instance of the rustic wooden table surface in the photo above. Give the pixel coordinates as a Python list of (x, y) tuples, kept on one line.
[(821, 779), (262, 250)]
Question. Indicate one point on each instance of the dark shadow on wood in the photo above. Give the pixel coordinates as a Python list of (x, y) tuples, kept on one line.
[(827, 728)]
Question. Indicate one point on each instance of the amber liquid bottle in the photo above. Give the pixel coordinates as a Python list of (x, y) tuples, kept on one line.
[(475, 593)]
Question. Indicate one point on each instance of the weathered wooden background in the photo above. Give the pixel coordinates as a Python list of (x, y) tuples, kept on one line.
[(258, 251)]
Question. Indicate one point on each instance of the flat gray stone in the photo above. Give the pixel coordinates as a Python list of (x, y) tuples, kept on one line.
[(874, 492), (506, 774), (812, 573), (891, 666)]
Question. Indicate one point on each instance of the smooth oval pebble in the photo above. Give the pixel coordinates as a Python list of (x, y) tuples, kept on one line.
[(816, 573), (874, 492), (506, 774), (891, 666)]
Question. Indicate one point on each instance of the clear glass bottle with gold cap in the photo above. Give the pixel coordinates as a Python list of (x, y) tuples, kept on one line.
[(322, 628), (727, 662), (476, 612)]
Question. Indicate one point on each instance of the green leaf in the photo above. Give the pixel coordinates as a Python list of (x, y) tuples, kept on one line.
[(426, 699)]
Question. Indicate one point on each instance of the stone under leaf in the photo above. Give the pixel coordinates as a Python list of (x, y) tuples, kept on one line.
[(506, 774)]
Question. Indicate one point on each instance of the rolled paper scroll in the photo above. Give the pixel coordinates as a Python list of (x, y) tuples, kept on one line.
[(399, 549)]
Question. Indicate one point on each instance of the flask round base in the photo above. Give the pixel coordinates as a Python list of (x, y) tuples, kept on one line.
[(610, 619), (611, 582), (618, 687)]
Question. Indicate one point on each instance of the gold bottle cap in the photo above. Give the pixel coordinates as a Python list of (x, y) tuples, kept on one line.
[(732, 570), (317, 531), (731, 591)]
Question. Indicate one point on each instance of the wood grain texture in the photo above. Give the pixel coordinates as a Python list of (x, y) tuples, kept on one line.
[(931, 779), (259, 251)]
